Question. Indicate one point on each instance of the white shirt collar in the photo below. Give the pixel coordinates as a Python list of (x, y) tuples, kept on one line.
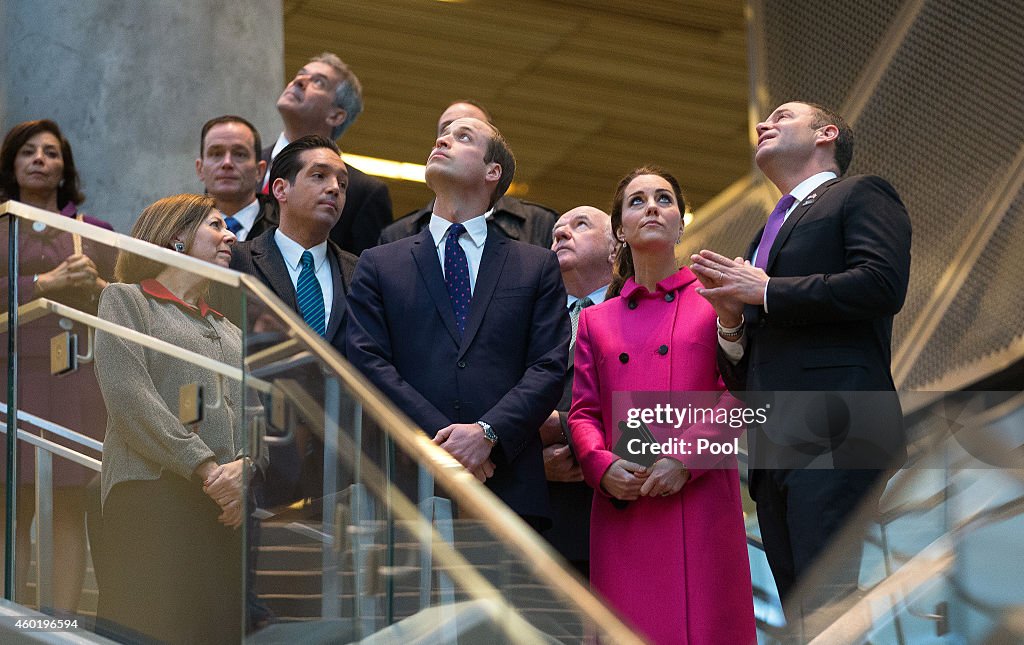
[(291, 251), (596, 297), (278, 147), (807, 186), (476, 229)]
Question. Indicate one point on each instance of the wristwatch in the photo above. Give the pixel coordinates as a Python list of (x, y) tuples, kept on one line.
[(489, 433)]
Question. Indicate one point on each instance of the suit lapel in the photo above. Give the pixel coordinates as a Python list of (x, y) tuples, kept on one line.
[(338, 308), (269, 261), (491, 263), (425, 255), (794, 219)]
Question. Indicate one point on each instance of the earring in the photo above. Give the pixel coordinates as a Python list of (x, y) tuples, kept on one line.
[(179, 246)]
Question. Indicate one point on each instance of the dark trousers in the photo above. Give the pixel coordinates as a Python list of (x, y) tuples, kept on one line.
[(799, 513), (173, 572)]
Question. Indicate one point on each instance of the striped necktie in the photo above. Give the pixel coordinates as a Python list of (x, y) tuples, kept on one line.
[(574, 316), (310, 297)]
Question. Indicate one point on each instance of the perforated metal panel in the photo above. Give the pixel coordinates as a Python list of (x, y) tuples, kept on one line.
[(815, 50), (935, 89)]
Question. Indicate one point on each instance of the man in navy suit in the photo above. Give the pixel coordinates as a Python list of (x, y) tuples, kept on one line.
[(465, 330), (810, 311)]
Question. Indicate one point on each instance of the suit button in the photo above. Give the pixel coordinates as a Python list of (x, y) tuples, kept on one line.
[(456, 405), (624, 357), (669, 297), (663, 350), (632, 304), (461, 363)]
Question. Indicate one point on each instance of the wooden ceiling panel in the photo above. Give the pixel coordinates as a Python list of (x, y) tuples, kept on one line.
[(583, 91)]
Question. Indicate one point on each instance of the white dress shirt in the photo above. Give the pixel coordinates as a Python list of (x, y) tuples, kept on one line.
[(278, 147), (472, 242), (291, 251)]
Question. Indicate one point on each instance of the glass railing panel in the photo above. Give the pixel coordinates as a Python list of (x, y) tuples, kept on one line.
[(939, 560), (393, 538), (160, 383)]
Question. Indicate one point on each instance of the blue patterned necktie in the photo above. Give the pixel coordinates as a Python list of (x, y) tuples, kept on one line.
[(310, 297), (456, 275), (233, 224), (771, 231)]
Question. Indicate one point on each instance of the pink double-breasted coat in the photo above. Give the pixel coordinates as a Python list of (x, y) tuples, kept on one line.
[(676, 567)]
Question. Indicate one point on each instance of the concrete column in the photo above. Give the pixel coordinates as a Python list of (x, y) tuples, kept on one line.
[(131, 82)]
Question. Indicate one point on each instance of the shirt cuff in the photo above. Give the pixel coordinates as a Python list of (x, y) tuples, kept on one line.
[(764, 299), (733, 348)]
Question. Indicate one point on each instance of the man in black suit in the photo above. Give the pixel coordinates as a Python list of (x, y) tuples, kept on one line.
[(465, 330), (230, 168), (324, 99), (585, 249), (811, 311), (514, 218)]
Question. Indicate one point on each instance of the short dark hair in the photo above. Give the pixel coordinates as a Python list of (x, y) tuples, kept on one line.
[(499, 152), (349, 93), (18, 136), (823, 116), (230, 118), (623, 268), (288, 162)]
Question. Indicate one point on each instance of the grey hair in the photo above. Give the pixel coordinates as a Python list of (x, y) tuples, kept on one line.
[(349, 94)]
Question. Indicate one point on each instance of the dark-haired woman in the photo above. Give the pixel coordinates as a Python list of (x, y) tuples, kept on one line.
[(668, 545), (38, 169)]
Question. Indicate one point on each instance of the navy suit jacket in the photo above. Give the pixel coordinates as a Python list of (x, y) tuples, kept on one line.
[(261, 258), (507, 368), (839, 270)]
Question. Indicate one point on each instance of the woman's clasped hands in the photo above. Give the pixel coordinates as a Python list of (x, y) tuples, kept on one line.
[(628, 481), (225, 485)]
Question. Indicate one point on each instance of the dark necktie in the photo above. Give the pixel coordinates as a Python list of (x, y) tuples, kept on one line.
[(771, 230), (456, 275), (574, 316), (310, 297), (233, 224)]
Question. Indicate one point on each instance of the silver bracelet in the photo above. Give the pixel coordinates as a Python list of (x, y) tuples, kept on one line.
[(730, 331)]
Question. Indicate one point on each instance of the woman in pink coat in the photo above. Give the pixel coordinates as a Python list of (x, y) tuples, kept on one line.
[(668, 544)]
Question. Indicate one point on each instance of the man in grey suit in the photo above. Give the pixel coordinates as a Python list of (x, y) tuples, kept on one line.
[(311, 274), (585, 249)]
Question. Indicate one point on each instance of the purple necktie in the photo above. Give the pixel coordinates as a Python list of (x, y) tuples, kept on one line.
[(771, 230), (456, 275)]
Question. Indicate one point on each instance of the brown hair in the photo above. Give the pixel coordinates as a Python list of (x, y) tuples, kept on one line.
[(16, 137), (623, 268), (843, 153), (159, 223), (498, 152)]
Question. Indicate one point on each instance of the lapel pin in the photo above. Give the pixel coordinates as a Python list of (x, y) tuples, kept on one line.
[(810, 199)]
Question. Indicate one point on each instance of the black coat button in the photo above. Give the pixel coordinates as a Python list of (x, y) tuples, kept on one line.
[(663, 350), (624, 357), (632, 304), (669, 297), (461, 363)]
